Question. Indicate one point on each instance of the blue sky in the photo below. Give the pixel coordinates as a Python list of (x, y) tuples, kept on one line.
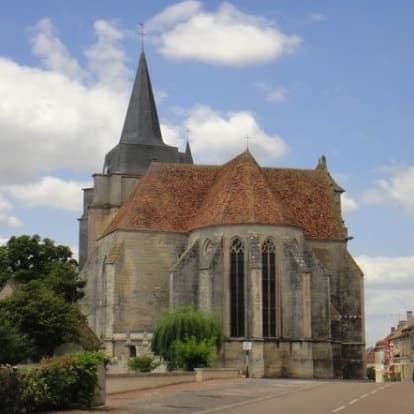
[(301, 78)]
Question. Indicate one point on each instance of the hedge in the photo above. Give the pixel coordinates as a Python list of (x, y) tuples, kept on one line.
[(58, 383)]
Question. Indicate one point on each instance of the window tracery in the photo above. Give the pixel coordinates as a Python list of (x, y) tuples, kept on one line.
[(237, 288), (269, 288)]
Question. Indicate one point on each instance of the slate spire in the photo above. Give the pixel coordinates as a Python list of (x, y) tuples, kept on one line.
[(188, 157), (141, 141), (141, 124)]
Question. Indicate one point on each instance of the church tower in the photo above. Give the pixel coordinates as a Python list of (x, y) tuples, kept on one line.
[(140, 143)]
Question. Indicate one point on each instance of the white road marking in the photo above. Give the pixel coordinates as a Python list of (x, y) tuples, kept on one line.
[(363, 396), (338, 409), (353, 402)]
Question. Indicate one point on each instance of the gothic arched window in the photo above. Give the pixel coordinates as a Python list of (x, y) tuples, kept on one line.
[(237, 288), (269, 288)]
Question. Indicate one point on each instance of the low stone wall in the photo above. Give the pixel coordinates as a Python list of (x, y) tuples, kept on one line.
[(205, 374), (130, 382), (116, 383)]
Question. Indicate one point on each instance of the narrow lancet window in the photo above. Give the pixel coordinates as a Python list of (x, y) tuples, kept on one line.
[(237, 288), (269, 288)]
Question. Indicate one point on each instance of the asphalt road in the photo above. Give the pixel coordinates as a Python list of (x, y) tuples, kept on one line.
[(265, 396)]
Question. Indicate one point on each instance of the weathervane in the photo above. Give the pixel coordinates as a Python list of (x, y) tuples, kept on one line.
[(141, 33)]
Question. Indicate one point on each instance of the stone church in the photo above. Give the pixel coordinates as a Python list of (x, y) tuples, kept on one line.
[(263, 248)]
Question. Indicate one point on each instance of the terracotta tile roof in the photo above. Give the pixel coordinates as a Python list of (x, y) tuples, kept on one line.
[(241, 194), (183, 197)]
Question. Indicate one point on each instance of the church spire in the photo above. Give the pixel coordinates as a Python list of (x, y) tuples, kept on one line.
[(141, 141), (141, 124), (188, 157)]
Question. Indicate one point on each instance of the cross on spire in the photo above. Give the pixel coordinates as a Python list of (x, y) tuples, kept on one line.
[(141, 33), (247, 141)]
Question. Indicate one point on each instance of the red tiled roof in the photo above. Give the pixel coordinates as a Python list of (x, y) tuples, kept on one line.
[(183, 197)]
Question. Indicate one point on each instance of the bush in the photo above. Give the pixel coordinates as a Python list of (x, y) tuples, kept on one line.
[(56, 384), (371, 373), (180, 324), (190, 353), (143, 363), (9, 391), (14, 346)]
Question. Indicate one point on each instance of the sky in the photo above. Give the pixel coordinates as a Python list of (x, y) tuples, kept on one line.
[(301, 79)]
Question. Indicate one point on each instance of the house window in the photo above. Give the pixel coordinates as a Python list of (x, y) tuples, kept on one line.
[(268, 289), (237, 288)]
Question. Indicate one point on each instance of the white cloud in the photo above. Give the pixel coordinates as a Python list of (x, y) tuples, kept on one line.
[(215, 137), (7, 219), (397, 190), (75, 252), (160, 96), (49, 120), (106, 58), (3, 241), (383, 271), (228, 36), (173, 135), (389, 291), (172, 15), (273, 94), (348, 204), (49, 192), (54, 55)]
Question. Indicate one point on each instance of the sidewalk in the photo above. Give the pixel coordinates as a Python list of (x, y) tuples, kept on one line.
[(123, 403)]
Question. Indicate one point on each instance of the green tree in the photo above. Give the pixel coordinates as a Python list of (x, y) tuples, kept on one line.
[(43, 316), (27, 258), (180, 325), (14, 346)]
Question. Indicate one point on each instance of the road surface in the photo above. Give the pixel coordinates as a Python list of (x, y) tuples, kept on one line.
[(269, 396)]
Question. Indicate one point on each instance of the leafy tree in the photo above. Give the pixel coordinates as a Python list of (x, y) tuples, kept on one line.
[(27, 258), (45, 317), (180, 325), (14, 346)]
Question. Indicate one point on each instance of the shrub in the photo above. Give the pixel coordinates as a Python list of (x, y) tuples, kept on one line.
[(182, 323), (371, 373), (9, 391), (143, 363), (56, 384), (35, 394), (190, 353)]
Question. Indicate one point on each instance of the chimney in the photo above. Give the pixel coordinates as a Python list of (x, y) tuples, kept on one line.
[(392, 329), (409, 315)]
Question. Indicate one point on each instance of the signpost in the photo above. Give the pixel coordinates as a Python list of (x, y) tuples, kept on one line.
[(247, 347)]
